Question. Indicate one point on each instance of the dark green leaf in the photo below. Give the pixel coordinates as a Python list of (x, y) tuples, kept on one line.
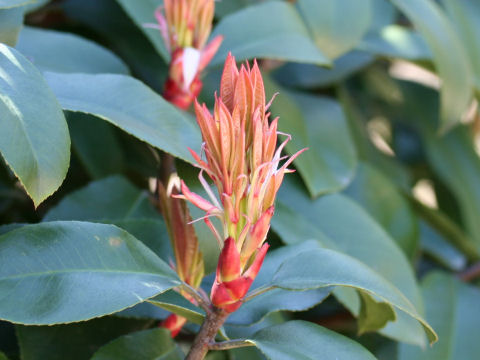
[(72, 53), (95, 144), (107, 19), (73, 341), (142, 13), (397, 42), (384, 202), (3, 356), (324, 267), (151, 344), (452, 308), (34, 143), (340, 224), (319, 124), (452, 156), (251, 32), (113, 198), (324, 16), (449, 56), (11, 22), (434, 244), (309, 76), (130, 105), (75, 271), (276, 300), (301, 340)]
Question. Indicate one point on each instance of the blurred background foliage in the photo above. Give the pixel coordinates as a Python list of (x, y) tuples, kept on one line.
[(383, 93)]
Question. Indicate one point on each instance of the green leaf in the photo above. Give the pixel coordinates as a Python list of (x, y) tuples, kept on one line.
[(374, 315), (177, 304), (324, 267), (76, 341), (34, 139), (465, 14), (75, 271), (397, 42), (151, 344), (107, 19), (316, 123), (308, 76), (3, 356), (96, 145), (326, 19), (7, 4), (434, 244), (452, 156), (452, 308), (301, 340), (258, 308), (142, 13), (339, 224), (72, 53), (11, 22), (112, 198), (371, 188), (251, 33), (130, 105), (449, 57), (255, 310)]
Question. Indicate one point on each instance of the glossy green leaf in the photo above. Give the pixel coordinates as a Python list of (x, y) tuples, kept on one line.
[(452, 308), (449, 57), (7, 4), (130, 105), (72, 53), (276, 300), (11, 22), (301, 340), (308, 76), (385, 203), (339, 224), (75, 271), (316, 123), (336, 25), (142, 13), (374, 315), (256, 309), (96, 145), (112, 198), (34, 143), (397, 42), (76, 341), (251, 33), (324, 267), (151, 344), (466, 14)]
